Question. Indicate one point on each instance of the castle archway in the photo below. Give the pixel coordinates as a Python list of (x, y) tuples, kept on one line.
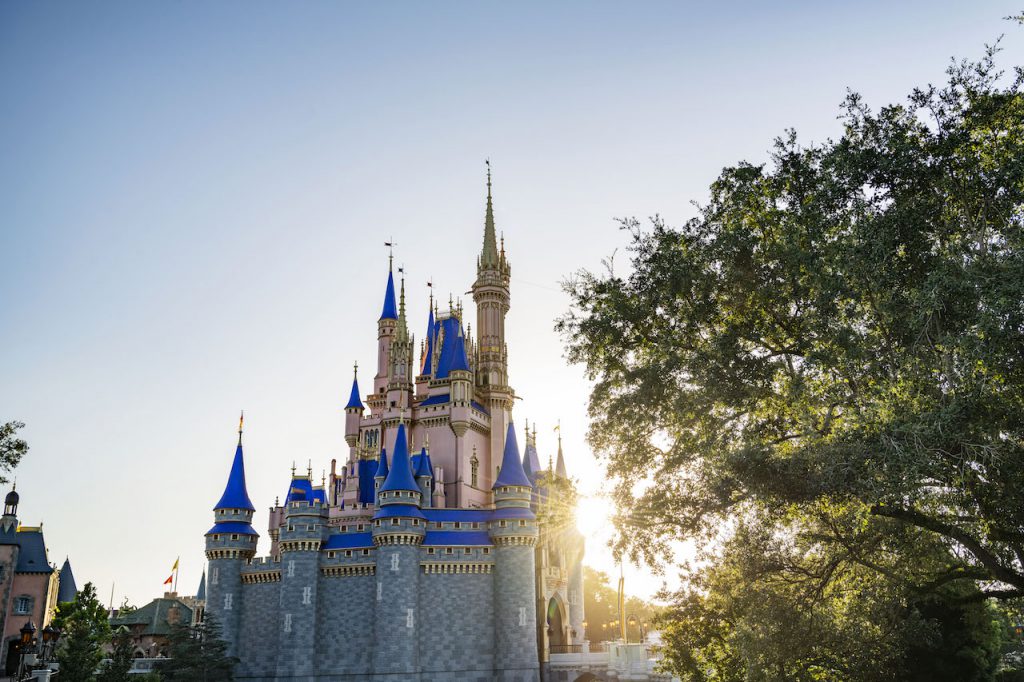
[(556, 620)]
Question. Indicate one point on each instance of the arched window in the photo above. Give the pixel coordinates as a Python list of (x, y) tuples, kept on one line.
[(474, 468)]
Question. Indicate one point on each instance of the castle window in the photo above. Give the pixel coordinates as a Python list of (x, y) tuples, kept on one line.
[(449, 550), (415, 522), (330, 555), (502, 523), (522, 523), (344, 529), (458, 524), (466, 550), (474, 465), (487, 550), (475, 525), (366, 552), (348, 552), (430, 550), (394, 522), (23, 605), (234, 536), (377, 523), (360, 527)]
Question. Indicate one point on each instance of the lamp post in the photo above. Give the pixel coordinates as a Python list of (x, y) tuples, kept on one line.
[(25, 646)]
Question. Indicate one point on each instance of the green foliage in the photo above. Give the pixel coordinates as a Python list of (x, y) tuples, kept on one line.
[(198, 654), (12, 448), (116, 669), (84, 627), (820, 380)]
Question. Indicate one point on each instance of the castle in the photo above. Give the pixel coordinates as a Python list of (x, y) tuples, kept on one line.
[(423, 557)]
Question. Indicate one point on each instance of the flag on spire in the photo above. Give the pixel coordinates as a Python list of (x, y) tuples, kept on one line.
[(174, 572)]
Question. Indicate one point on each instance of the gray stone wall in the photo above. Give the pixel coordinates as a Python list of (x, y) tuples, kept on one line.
[(345, 625), (515, 615), (398, 619), (459, 633), (223, 598), (258, 631)]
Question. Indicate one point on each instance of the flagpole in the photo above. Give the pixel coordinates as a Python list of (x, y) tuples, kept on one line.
[(176, 569)]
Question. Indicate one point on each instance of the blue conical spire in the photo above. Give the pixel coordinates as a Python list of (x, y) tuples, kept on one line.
[(511, 465), (460, 361), (67, 590), (400, 477), (382, 467), (353, 399), (428, 357), (201, 592), (390, 310), (235, 495), (425, 467)]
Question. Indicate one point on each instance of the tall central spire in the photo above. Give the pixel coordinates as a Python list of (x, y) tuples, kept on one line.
[(489, 255)]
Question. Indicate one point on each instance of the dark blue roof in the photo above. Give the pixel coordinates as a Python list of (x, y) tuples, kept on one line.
[(453, 348), (400, 477), (390, 310), (445, 398), (422, 464), (511, 465), (428, 356), (235, 495), (239, 527), (353, 399), (68, 590), (473, 538), (367, 470), (201, 592), (531, 463), (320, 495), (382, 466), (299, 490), (32, 557), (349, 541), (439, 515), (398, 510)]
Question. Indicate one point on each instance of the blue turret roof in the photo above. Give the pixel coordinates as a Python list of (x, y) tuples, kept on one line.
[(67, 591), (353, 399), (453, 349), (201, 592), (428, 355), (423, 464), (400, 477), (235, 495), (382, 466), (390, 310), (299, 490), (511, 465), (531, 462)]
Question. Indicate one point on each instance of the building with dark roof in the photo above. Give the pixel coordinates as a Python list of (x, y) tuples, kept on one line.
[(150, 626), (417, 559), (29, 584)]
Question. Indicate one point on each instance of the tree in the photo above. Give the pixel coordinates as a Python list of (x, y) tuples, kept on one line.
[(116, 669), (84, 627), (820, 380), (197, 654), (12, 448)]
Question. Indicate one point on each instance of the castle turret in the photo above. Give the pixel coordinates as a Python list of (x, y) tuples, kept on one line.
[(9, 522), (385, 335), (301, 536), (398, 530), (382, 473), (229, 544), (426, 365), (513, 530), (425, 478), (353, 411), (401, 368), (492, 298)]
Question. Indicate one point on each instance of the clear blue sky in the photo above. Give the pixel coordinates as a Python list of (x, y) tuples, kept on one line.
[(193, 199)]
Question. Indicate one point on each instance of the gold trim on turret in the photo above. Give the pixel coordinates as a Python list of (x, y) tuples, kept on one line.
[(212, 554), (457, 567), (300, 545), (261, 577), (347, 571)]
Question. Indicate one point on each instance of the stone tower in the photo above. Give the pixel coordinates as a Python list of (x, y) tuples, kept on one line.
[(513, 530), (229, 544), (492, 298), (398, 530)]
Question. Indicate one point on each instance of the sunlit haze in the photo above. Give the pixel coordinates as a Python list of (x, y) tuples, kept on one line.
[(194, 199)]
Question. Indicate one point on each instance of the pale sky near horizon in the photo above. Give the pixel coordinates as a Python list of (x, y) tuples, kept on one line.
[(194, 196)]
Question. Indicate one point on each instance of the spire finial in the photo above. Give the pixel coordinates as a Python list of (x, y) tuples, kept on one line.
[(489, 255), (309, 470), (355, 369), (241, 420), (391, 244), (293, 468)]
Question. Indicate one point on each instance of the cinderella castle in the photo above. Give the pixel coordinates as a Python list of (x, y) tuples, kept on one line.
[(434, 552)]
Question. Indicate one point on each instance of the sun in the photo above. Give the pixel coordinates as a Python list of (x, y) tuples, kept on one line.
[(593, 516)]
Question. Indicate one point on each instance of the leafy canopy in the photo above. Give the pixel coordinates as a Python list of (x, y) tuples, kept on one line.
[(820, 380), (85, 629)]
